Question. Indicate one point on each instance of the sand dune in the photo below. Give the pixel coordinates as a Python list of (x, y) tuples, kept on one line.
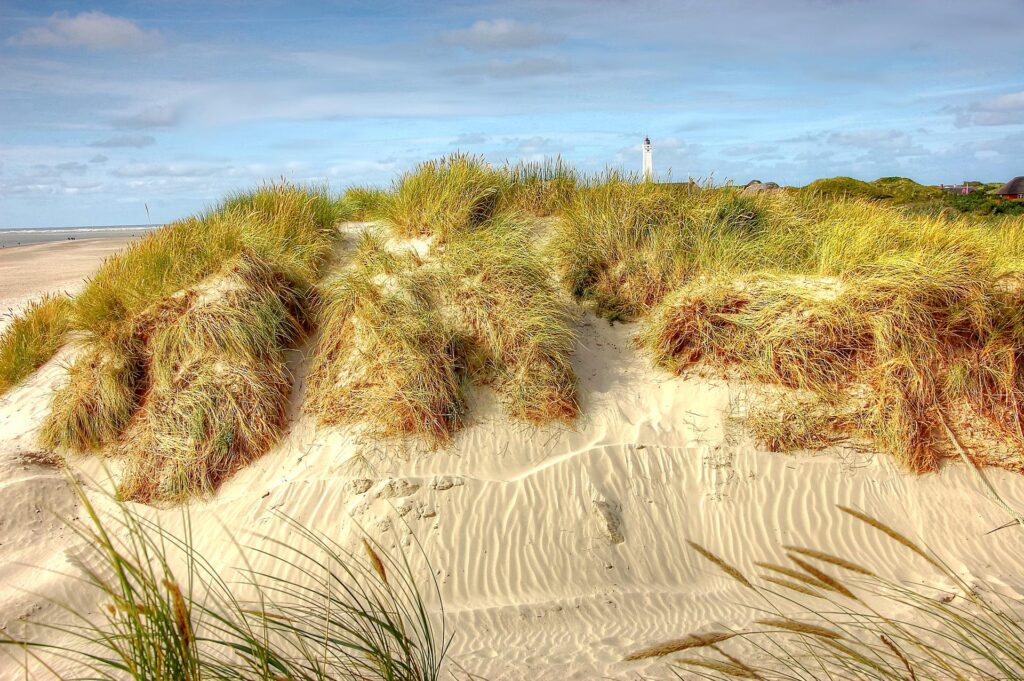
[(558, 550)]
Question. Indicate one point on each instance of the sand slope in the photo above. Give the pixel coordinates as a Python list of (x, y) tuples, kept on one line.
[(557, 551)]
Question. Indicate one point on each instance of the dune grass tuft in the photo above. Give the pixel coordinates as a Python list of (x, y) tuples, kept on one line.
[(216, 382), (402, 336), (182, 369), (32, 338), (539, 188), (888, 334), (619, 245), (364, 203), (93, 407), (443, 197), (289, 226), (169, 614), (386, 357), (519, 327)]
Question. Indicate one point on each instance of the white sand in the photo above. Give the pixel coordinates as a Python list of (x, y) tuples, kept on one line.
[(28, 272), (557, 551)]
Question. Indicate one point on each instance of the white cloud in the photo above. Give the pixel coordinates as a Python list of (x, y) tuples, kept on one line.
[(1005, 109), (499, 34), (91, 30), (522, 68)]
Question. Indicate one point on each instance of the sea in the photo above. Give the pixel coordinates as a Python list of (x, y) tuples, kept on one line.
[(10, 238)]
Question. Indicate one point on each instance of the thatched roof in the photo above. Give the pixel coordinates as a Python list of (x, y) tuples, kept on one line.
[(1014, 186)]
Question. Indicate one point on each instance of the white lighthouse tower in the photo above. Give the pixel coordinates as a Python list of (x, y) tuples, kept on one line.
[(648, 161)]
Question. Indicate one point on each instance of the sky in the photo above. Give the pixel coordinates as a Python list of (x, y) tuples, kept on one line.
[(132, 111)]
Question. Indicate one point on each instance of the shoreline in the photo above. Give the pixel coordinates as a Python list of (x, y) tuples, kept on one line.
[(35, 236)]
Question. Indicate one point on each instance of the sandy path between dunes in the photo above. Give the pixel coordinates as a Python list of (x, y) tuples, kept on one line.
[(557, 551), (27, 272)]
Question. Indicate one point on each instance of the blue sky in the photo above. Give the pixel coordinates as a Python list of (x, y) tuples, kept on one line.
[(107, 107)]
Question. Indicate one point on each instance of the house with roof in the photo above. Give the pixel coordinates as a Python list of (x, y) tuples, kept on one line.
[(1012, 190)]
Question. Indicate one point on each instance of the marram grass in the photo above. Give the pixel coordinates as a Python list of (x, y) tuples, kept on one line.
[(168, 613), (402, 336), (195, 389), (95, 404), (385, 358), (901, 341), (839, 619), (217, 384), (886, 322), (443, 197), (32, 337), (182, 371), (289, 227), (519, 330)]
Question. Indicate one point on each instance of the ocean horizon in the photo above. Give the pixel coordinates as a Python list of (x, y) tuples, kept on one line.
[(28, 236)]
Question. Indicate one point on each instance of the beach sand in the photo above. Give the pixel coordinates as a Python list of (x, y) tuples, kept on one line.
[(28, 272), (557, 551)]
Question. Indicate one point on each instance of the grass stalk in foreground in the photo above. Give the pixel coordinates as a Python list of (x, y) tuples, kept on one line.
[(828, 617), (32, 338), (315, 612)]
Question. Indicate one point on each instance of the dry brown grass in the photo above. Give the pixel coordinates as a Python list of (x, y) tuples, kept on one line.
[(891, 343), (519, 326), (386, 357)]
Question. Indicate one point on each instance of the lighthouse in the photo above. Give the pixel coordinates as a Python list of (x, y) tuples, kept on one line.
[(648, 161)]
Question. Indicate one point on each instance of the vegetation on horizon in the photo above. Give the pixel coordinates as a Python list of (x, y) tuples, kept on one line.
[(904, 193)]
